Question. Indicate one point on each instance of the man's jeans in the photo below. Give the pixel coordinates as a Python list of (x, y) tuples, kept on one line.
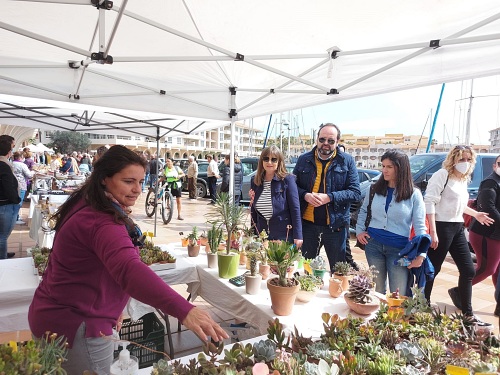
[(383, 257), (8, 217), (316, 236)]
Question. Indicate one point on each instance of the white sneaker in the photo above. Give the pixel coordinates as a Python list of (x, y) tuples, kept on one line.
[(20, 222)]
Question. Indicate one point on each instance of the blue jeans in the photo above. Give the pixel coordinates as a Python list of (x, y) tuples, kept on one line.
[(146, 178), (152, 180), (316, 236), (383, 257), (8, 217)]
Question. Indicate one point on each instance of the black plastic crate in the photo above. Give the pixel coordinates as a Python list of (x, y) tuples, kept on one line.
[(147, 331)]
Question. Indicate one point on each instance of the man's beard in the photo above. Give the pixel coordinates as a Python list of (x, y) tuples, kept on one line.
[(325, 153)]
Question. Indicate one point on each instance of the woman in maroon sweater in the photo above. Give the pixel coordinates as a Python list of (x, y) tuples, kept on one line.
[(95, 267)]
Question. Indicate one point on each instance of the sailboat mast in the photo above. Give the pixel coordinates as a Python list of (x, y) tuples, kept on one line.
[(469, 112)]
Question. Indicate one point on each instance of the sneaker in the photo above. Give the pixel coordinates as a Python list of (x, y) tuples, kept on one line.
[(211, 202), (10, 255), (455, 297), (475, 320), (20, 222), (355, 266), (180, 218)]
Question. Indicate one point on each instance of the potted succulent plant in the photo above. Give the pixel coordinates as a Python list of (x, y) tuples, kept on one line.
[(204, 240), (193, 246), (309, 286), (359, 297), (214, 238), (318, 266), (253, 280), (395, 299), (342, 271), (184, 239), (283, 290), (230, 217)]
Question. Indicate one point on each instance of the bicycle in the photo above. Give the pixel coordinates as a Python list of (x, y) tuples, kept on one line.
[(164, 198)]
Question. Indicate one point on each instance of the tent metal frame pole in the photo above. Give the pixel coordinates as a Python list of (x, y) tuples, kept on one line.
[(157, 176), (233, 115), (115, 27), (33, 86)]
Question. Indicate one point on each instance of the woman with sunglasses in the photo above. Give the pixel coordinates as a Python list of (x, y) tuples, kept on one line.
[(275, 204), (446, 200)]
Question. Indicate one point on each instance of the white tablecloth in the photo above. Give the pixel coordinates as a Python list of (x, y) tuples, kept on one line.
[(17, 287), (56, 199)]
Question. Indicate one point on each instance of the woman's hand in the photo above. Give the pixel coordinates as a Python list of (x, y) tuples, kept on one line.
[(434, 240), (119, 323), (417, 262), (201, 323), (484, 219), (251, 194), (298, 243), (363, 238)]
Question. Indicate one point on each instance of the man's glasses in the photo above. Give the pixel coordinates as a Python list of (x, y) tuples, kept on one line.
[(267, 158), (330, 141)]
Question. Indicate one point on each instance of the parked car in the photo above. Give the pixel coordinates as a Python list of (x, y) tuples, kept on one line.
[(367, 174), (423, 167)]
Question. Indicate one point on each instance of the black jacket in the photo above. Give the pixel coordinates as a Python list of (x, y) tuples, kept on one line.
[(488, 200), (8, 186), (238, 178)]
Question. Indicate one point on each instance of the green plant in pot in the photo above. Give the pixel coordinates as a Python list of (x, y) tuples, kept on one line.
[(342, 271), (318, 266), (193, 245), (309, 286), (230, 217), (253, 280), (214, 238), (281, 256)]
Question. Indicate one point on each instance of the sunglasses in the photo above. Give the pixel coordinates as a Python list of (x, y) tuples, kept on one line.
[(459, 147), (330, 141), (267, 158)]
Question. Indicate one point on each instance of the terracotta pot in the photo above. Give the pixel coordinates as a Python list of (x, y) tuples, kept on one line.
[(282, 297), (212, 260), (228, 264), (184, 242), (363, 308), (306, 296), (203, 241), (264, 270), (193, 250), (207, 248), (253, 283), (345, 280), (243, 258), (335, 287)]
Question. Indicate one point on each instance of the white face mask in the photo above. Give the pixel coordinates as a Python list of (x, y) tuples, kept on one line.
[(497, 171), (462, 167)]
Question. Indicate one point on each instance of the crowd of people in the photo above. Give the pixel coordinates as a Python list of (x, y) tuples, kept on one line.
[(309, 207)]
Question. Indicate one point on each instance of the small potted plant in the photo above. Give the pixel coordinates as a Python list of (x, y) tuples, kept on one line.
[(283, 290), (359, 297), (395, 299), (309, 286), (342, 271), (184, 239), (253, 280), (264, 267), (193, 246), (214, 238), (318, 266), (204, 240)]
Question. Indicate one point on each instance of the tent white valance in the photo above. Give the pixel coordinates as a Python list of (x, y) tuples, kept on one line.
[(186, 58)]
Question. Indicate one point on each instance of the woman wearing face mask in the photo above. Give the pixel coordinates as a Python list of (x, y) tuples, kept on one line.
[(445, 202), (486, 239)]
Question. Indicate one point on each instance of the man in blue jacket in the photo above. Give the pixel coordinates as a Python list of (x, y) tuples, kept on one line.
[(328, 183)]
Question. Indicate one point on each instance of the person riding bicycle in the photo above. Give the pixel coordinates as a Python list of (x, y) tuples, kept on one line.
[(173, 174)]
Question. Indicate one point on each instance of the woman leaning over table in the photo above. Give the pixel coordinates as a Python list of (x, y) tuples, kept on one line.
[(446, 199), (397, 206), (94, 268), (275, 199)]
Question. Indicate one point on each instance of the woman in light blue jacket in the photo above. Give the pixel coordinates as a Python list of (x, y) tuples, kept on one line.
[(397, 206)]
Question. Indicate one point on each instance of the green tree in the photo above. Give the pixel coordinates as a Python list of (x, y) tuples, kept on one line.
[(67, 142)]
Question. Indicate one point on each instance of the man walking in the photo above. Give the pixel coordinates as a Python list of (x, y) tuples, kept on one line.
[(328, 183), (192, 174), (213, 175), (153, 166)]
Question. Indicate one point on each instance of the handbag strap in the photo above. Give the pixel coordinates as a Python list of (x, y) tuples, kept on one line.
[(369, 208)]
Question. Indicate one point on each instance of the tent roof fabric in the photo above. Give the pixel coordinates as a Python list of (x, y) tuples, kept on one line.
[(185, 58)]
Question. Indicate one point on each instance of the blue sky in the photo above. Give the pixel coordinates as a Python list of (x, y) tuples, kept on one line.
[(407, 112)]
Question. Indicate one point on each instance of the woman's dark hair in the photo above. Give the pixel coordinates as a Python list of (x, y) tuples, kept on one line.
[(404, 182), (111, 162)]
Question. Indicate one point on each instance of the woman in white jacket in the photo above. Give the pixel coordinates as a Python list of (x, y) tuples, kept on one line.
[(446, 200)]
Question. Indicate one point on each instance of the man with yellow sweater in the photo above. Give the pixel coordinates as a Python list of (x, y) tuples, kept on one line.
[(328, 183)]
